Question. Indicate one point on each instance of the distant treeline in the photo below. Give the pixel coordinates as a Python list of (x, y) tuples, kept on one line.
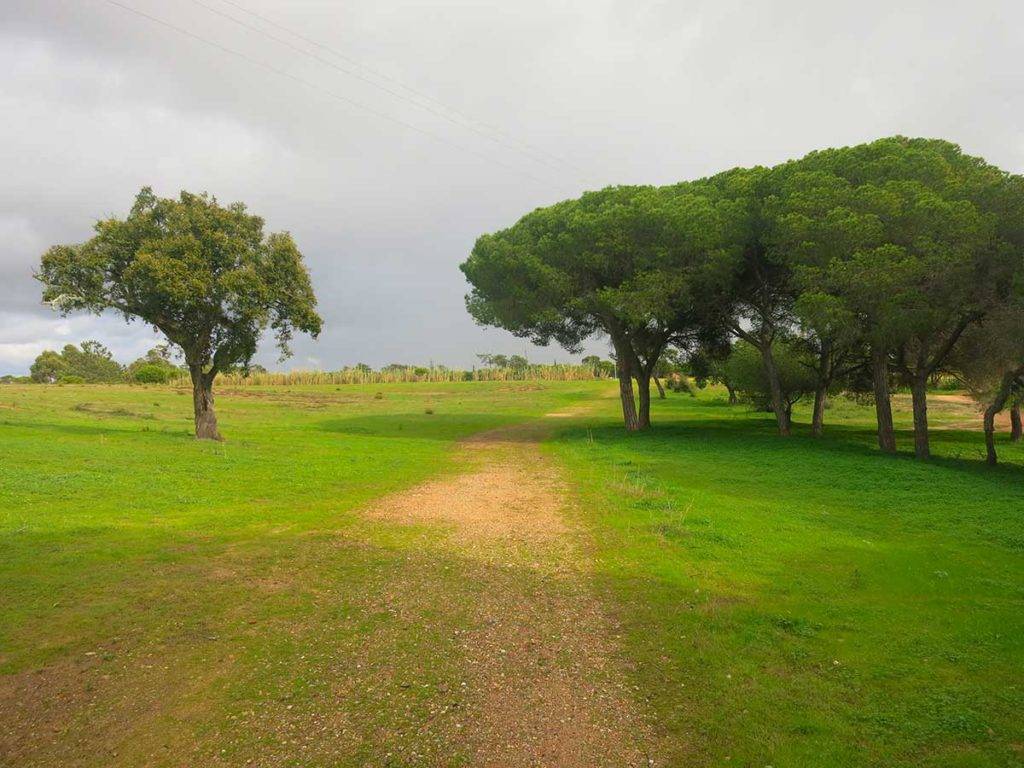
[(396, 375), (92, 363)]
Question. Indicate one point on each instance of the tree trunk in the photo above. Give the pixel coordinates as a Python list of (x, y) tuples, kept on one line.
[(883, 406), (629, 415), (818, 417), (202, 401), (997, 404), (643, 385), (990, 434), (1016, 429), (732, 395), (771, 370), (661, 389), (919, 393), (824, 374)]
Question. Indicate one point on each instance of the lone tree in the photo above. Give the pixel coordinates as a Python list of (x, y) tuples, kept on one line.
[(201, 273), (647, 267)]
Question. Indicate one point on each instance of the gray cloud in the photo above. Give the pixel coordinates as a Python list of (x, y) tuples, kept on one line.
[(98, 102)]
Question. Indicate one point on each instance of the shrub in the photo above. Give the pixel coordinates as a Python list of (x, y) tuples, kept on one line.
[(746, 374), (153, 374)]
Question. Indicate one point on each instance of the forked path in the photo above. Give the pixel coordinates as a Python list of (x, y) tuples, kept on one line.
[(545, 685)]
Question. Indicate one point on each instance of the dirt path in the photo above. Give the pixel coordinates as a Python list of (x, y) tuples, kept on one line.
[(545, 688)]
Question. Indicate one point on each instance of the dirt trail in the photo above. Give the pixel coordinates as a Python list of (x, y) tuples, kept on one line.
[(545, 687), (971, 412)]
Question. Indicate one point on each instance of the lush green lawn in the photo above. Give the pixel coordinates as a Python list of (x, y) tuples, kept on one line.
[(230, 590), (800, 602), (785, 602)]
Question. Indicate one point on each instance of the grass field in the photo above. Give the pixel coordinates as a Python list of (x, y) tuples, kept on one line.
[(799, 602)]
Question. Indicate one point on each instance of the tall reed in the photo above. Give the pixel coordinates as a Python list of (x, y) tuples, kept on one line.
[(553, 372)]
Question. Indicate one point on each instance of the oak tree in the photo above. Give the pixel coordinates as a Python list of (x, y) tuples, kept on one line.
[(203, 274)]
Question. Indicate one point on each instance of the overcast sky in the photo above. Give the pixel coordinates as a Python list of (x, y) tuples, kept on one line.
[(386, 198)]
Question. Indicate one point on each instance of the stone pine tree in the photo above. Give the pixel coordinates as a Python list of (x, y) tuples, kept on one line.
[(645, 267), (762, 292), (203, 274), (899, 236)]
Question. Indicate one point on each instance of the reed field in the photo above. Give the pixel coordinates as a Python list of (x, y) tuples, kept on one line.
[(408, 375)]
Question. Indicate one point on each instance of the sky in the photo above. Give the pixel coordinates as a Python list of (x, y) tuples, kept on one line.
[(387, 135)]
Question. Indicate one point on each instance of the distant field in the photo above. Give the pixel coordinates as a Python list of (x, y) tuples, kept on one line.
[(166, 601)]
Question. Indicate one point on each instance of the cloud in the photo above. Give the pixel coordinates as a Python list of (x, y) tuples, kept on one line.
[(98, 102)]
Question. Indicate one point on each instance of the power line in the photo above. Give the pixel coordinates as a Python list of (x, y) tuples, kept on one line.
[(466, 121), (332, 94), (459, 123)]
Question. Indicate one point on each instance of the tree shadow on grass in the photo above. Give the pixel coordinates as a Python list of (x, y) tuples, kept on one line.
[(843, 447), (421, 426), (93, 429)]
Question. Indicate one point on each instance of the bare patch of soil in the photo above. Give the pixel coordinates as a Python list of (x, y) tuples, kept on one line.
[(970, 409)]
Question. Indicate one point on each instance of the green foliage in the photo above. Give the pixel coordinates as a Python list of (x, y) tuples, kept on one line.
[(615, 261), (203, 274), (155, 367), (894, 239), (153, 374), (745, 372), (48, 367), (647, 267), (92, 363)]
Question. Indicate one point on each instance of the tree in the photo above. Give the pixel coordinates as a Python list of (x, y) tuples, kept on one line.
[(831, 347), (990, 361), (155, 367), (645, 267), (709, 365), (493, 361), (201, 273), (897, 234), (90, 363), (48, 367), (762, 292), (670, 364), (518, 363), (593, 362), (746, 372), (601, 368)]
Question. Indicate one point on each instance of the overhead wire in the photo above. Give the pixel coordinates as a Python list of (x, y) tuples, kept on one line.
[(414, 91), (445, 112), (330, 93)]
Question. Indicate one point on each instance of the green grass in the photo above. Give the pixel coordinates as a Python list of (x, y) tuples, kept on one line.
[(784, 602), (238, 572), (811, 602)]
